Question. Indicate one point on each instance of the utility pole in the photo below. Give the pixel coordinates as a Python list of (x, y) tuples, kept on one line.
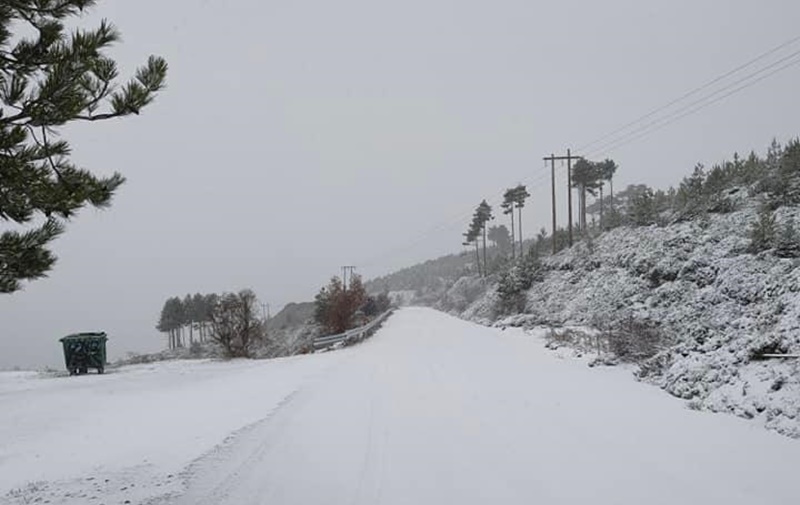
[(265, 311), (552, 158), (345, 269)]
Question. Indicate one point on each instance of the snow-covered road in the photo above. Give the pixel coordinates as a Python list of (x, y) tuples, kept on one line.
[(436, 410), (431, 410)]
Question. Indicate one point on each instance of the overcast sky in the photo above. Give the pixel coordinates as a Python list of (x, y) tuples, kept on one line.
[(295, 137)]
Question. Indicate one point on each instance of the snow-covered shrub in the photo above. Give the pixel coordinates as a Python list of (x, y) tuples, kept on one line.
[(629, 339), (762, 231), (788, 242), (464, 292), (635, 341), (514, 283), (579, 339)]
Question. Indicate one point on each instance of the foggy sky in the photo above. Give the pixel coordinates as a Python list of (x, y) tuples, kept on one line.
[(295, 137)]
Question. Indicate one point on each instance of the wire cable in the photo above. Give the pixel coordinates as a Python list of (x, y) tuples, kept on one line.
[(697, 105), (691, 92)]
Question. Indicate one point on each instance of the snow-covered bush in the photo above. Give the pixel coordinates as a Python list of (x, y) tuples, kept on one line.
[(464, 292), (514, 283), (762, 231), (630, 339)]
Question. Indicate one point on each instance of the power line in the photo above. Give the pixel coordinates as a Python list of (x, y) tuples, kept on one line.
[(691, 92), (698, 105)]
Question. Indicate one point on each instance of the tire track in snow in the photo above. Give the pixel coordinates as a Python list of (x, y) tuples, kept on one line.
[(214, 476)]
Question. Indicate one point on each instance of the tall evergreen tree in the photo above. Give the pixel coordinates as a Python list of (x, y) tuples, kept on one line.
[(484, 215), (50, 78), (473, 236), (170, 321), (508, 208), (520, 194), (586, 178), (606, 170)]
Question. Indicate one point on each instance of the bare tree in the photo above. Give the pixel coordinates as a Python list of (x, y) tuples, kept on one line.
[(235, 323)]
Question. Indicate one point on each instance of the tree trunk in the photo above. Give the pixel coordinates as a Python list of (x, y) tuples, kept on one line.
[(478, 257), (583, 208), (519, 221), (513, 238), (611, 187), (582, 219), (602, 228), (484, 251)]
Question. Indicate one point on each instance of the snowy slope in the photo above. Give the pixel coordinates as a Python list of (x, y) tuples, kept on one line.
[(431, 410), (720, 304)]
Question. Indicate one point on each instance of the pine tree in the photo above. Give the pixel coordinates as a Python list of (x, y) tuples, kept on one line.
[(471, 237), (586, 178), (170, 321), (163, 322), (484, 215), (520, 195), (691, 196), (643, 208), (606, 170), (787, 189), (508, 208), (50, 78), (198, 315)]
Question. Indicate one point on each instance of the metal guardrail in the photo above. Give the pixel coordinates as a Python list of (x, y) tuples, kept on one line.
[(351, 336)]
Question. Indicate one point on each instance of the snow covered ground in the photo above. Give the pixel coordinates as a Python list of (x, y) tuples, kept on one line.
[(128, 434), (431, 410)]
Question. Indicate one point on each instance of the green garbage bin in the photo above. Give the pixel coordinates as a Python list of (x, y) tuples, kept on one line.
[(83, 351)]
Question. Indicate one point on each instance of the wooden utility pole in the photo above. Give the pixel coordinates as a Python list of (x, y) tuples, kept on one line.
[(552, 159), (553, 181)]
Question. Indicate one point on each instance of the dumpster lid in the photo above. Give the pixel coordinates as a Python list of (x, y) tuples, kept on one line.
[(85, 335)]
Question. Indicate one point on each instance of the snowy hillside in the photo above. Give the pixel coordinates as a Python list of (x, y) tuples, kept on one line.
[(718, 305)]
